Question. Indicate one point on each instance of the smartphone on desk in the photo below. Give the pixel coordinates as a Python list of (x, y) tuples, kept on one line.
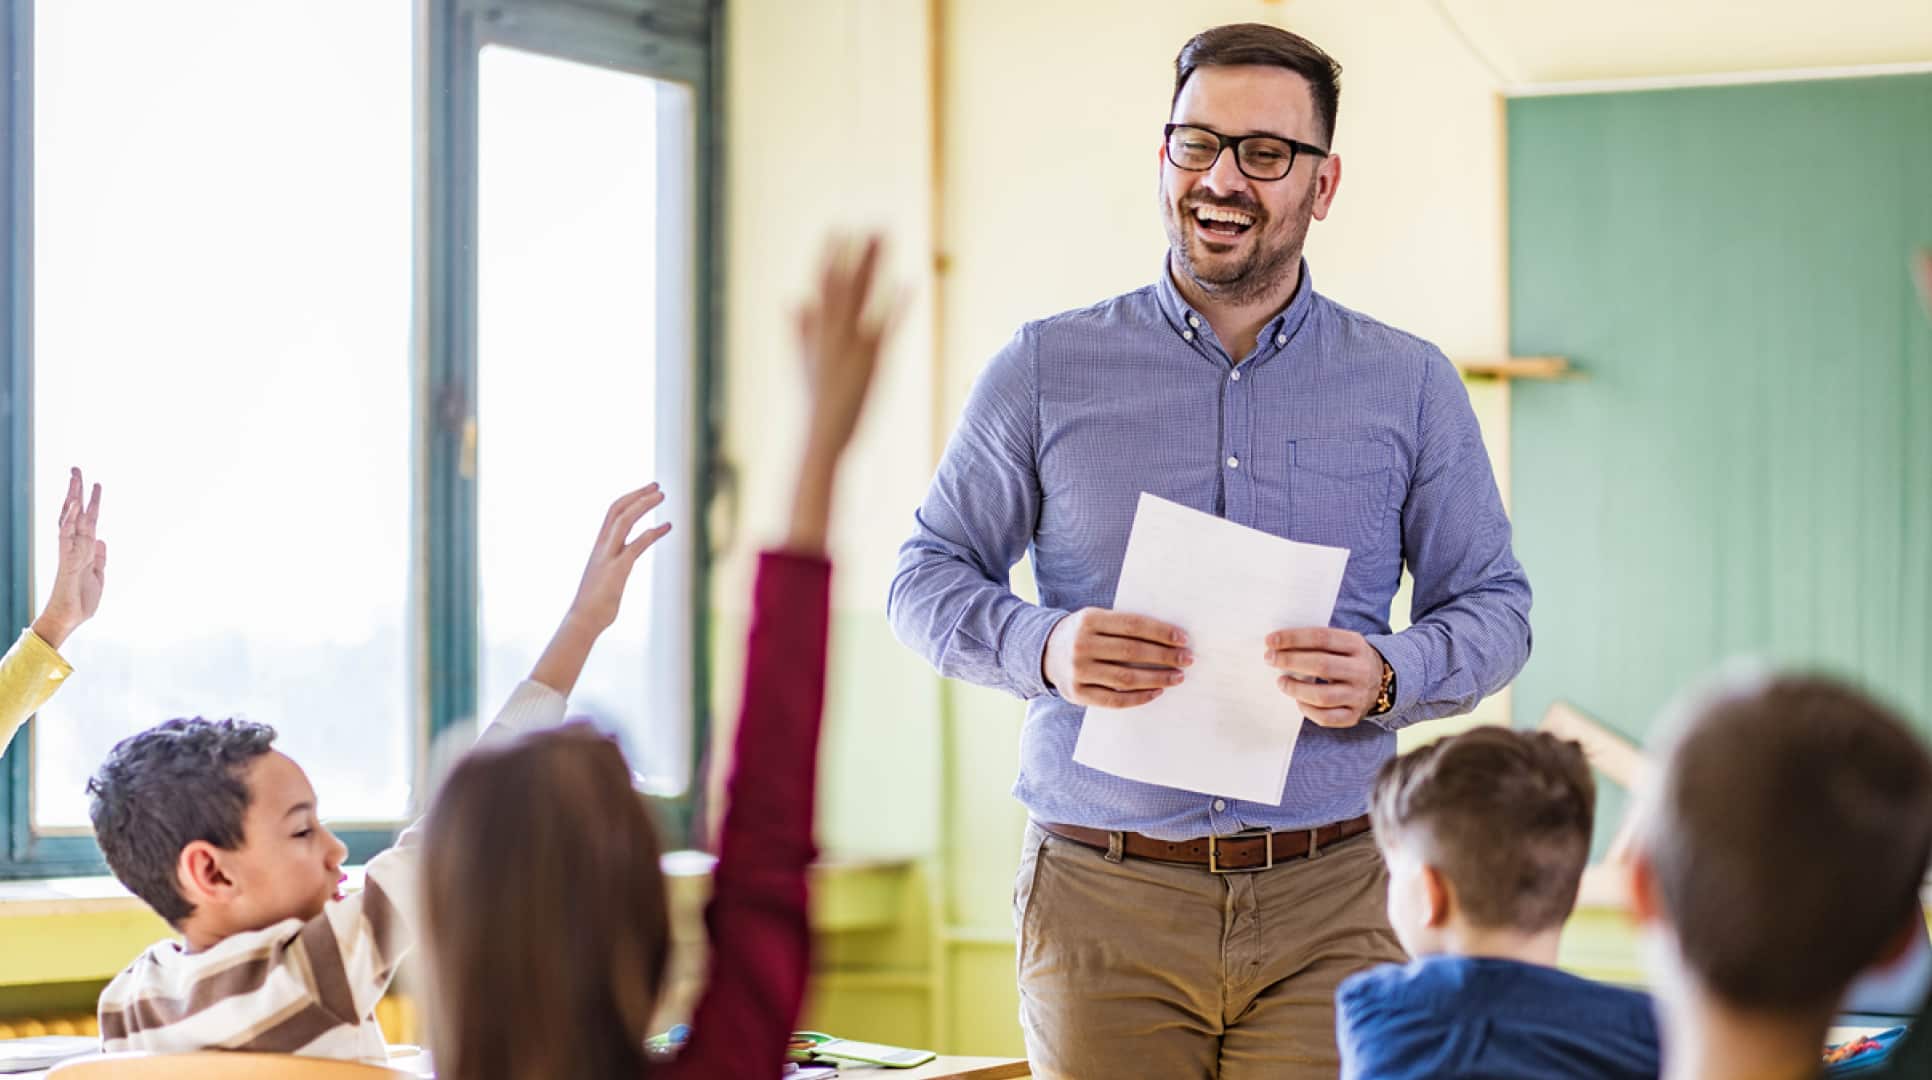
[(821, 1045)]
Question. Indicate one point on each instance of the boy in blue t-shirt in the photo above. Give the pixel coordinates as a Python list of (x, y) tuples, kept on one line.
[(1486, 835)]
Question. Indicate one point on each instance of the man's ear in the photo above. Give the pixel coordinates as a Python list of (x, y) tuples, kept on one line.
[(1440, 897), (201, 877), (1328, 180)]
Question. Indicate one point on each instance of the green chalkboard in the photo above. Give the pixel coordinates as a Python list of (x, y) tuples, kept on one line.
[(1746, 471)]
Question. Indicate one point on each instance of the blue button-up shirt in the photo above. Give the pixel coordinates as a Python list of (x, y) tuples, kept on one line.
[(1335, 430)]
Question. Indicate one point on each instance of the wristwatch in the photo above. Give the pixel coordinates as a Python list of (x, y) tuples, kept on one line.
[(1386, 700)]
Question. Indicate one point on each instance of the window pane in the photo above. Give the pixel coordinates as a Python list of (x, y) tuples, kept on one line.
[(222, 288), (578, 393)]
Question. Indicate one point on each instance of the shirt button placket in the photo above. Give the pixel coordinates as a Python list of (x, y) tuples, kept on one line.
[(1235, 451)]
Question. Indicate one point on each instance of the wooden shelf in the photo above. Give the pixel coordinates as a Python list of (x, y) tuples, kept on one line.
[(1519, 367)]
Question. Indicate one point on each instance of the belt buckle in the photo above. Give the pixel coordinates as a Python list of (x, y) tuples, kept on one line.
[(1214, 856)]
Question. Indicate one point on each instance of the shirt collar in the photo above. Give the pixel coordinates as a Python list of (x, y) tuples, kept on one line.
[(1277, 333)]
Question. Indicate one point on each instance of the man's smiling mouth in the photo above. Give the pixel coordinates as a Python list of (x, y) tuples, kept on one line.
[(1222, 221)]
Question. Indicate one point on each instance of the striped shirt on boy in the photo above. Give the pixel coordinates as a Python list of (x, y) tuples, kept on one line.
[(295, 987)]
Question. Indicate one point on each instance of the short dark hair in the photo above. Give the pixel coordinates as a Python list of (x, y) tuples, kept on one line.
[(1787, 837), (165, 788), (1267, 46), (1504, 815)]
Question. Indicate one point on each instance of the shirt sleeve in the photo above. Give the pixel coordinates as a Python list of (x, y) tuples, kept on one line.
[(951, 600), (760, 937), (1357, 1058), (30, 673), (352, 948), (1382, 1039), (1469, 632)]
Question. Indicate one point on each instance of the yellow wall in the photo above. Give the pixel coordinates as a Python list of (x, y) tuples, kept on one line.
[(828, 126)]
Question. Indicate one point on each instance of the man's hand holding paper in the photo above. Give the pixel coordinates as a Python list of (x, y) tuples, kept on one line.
[(1224, 728), (1335, 675), (1100, 657)]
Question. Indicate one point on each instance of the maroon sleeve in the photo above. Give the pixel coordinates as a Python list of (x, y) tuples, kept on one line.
[(760, 943)]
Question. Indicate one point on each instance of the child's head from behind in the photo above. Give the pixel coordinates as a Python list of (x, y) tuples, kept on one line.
[(541, 886), (1486, 831), (215, 829), (1781, 851)]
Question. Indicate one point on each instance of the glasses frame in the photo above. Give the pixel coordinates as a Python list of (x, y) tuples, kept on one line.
[(1296, 148)]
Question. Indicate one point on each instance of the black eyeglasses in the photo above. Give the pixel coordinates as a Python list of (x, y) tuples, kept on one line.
[(1259, 157)]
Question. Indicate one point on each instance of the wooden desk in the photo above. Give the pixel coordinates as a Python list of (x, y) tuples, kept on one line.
[(947, 1068)]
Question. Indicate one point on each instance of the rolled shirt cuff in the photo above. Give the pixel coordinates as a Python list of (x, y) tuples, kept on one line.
[(1023, 649)]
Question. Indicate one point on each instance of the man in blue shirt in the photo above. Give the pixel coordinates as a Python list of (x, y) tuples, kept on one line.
[(1486, 835), (1230, 386)]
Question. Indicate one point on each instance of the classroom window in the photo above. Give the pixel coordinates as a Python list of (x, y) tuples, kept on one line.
[(362, 340), (572, 410), (221, 306)]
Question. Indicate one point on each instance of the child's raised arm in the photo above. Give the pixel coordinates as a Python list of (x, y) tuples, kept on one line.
[(760, 938), (369, 932), (602, 589), (81, 570), (839, 337), (33, 669)]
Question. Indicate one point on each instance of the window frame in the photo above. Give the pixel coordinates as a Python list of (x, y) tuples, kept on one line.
[(675, 40)]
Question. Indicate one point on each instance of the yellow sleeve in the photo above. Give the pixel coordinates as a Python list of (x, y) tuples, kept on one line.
[(29, 674)]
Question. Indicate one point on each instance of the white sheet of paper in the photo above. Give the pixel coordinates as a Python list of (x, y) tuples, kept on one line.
[(1227, 729)]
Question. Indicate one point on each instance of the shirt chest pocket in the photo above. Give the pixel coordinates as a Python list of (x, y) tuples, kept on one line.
[(1341, 492)]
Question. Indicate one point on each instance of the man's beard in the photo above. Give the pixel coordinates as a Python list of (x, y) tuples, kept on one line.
[(1253, 278)]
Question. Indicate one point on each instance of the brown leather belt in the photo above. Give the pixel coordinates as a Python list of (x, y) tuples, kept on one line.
[(1240, 853)]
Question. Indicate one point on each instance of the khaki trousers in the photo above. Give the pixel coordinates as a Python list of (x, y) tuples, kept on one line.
[(1150, 969)]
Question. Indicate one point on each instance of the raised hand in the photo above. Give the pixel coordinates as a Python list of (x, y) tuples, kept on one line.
[(601, 591), (81, 572), (839, 337), (840, 334)]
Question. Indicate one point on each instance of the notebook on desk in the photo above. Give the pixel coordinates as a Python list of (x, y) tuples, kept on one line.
[(43, 1051), (1871, 1023)]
